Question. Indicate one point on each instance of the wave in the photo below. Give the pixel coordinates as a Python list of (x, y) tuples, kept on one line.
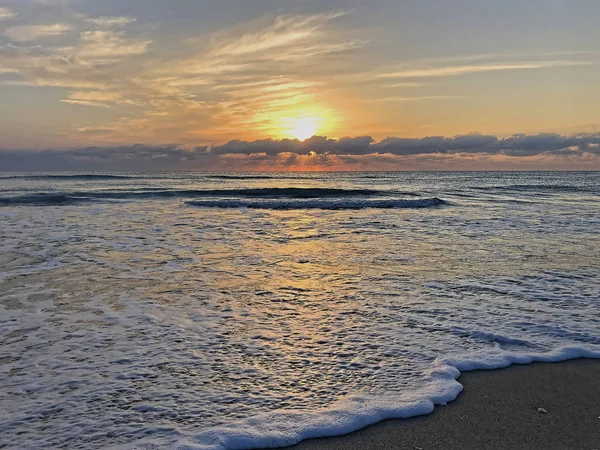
[(547, 187), (297, 193), (43, 200), (56, 198), (242, 177), (537, 187), (84, 177), (320, 204)]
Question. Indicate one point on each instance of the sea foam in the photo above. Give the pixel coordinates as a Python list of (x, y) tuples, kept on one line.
[(286, 428)]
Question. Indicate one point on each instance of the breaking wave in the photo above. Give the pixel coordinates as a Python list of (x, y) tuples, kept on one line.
[(60, 198), (320, 204), (43, 200)]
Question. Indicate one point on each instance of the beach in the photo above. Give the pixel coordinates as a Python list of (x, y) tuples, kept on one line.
[(498, 409)]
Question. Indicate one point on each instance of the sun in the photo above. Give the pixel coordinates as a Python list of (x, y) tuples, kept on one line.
[(304, 128)]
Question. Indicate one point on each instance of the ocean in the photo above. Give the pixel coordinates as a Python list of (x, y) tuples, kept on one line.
[(237, 310)]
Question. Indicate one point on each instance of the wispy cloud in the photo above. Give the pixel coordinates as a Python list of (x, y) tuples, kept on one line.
[(406, 84), (85, 103), (26, 33), (244, 79), (419, 98), (286, 31), (110, 22), (109, 46), (99, 99), (244, 82), (234, 83), (427, 73), (96, 96), (6, 13), (451, 71)]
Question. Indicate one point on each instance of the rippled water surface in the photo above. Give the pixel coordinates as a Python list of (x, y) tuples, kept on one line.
[(165, 309)]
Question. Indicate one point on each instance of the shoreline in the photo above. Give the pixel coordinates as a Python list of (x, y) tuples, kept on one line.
[(497, 409)]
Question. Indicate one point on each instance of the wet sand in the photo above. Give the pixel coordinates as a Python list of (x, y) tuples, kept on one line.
[(498, 409)]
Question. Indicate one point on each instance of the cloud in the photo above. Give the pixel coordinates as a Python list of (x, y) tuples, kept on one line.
[(6, 13), (92, 61), (452, 71), (406, 84), (110, 22), (246, 79), (351, 153), (246, 82), (517, 145), (418, 99), (95, 96), (84, 103), (237, 82), (285, 31), (135, 157), (109, 46), (26, 33)]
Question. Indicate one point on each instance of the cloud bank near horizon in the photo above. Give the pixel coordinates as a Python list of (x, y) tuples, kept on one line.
[(474, 151)]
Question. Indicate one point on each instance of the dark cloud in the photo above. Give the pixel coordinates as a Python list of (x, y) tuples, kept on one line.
[(267, 146), (316, 151), (122, 158), (517, 145)]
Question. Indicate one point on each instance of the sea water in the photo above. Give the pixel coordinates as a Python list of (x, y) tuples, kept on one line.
[(229, 310)]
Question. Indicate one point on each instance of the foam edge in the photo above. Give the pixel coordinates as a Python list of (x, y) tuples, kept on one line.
[(287, 428)]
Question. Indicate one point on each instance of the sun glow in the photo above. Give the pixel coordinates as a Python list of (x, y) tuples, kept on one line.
[(304, 128), (304, 123)]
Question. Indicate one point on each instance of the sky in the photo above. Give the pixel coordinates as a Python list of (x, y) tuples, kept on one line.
[(299, 85)]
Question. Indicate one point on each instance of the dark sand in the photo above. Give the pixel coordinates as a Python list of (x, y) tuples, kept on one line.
[(498, 409)]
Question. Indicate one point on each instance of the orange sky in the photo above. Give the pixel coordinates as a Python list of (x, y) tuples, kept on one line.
[(86, 73)]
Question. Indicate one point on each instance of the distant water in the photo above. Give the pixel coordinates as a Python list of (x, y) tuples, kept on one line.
[(212, 311)]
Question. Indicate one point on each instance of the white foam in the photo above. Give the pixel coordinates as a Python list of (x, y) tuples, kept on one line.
[(286, 428)]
